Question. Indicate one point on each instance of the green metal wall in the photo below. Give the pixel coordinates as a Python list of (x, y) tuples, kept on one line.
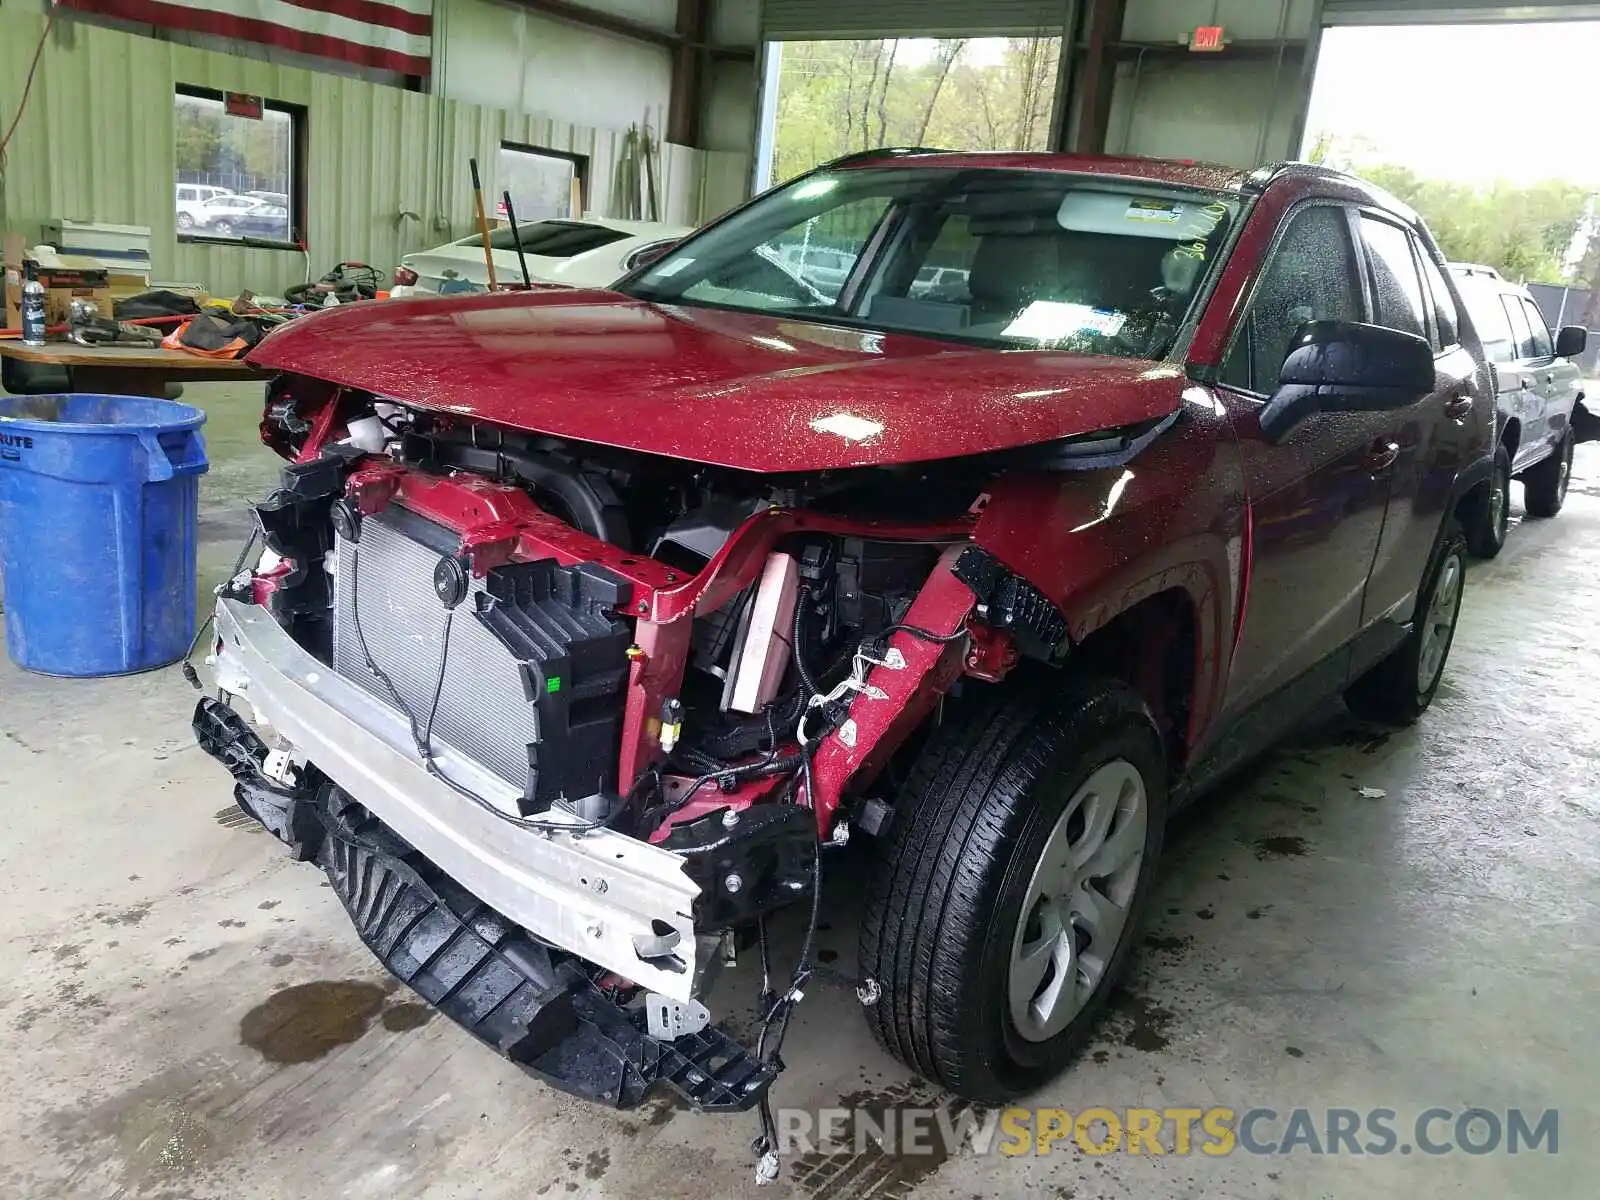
[(96, 144)]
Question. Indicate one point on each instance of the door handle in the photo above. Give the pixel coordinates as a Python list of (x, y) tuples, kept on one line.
[(1550, 378), (1527, 381), (1382, 455), (1459, 408)]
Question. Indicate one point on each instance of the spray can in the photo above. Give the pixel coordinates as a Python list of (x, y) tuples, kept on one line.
[(32, 306)]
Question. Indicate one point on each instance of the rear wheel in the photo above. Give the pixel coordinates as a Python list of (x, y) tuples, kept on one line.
[(1486, 527), (1399, 689), (1545, 485), (1004, 908)]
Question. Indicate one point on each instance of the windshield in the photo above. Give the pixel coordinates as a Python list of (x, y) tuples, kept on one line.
[(1015, 259), (550, 239)]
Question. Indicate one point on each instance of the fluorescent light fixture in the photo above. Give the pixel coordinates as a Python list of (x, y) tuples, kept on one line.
[(848, 426)]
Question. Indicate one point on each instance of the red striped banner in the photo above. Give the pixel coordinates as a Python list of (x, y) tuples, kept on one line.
[(389, 35)]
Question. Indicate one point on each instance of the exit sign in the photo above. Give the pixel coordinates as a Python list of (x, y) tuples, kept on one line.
[(1206, 38), (242, 104)]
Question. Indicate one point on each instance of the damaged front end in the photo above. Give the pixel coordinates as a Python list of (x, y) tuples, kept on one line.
[(561, 724)]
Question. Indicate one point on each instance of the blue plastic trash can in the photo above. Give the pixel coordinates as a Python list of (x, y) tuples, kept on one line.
[(98, 500)]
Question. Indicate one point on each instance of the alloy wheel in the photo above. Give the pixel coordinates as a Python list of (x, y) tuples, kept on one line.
[(1439, 622), (1498, 507), (1078, 901)]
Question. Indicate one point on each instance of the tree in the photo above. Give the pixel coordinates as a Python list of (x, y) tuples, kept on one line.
[(949, 50), (834, 97)]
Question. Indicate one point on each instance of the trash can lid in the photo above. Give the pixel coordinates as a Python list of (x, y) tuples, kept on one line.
[(91, 412)]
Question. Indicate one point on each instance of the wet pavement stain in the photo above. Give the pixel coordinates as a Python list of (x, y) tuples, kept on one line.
[(863, 1165), (1137, 1021), (304, 1022), (594, 1166), (200, 954), (1280, 847), (280, 960), (401, 1018), (1169, 943), (162, 1139), (131, 915)]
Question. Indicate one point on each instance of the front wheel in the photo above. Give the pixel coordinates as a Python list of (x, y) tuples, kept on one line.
[(1399, 689), (1544, 487), (1003, 910)]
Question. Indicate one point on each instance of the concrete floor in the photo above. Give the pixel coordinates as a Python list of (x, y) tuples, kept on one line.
[(187, 1014)]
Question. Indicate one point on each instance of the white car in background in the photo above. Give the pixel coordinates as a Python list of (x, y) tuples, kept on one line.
[(191, 199), (220, 214), (579, 253)]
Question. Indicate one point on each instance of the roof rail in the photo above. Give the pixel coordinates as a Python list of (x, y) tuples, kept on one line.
[(1474, 269)]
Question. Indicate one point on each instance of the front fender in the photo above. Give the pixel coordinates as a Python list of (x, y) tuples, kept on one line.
[(1098, 542)]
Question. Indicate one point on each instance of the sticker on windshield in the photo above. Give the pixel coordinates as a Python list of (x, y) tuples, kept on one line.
[(669, 269), (1052, 320), (1145, 209)]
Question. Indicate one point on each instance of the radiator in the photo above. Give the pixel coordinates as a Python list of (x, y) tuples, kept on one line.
[(536, 665)]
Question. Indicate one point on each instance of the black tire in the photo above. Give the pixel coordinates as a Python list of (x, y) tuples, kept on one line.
[(1486, 526), (945, 902), (1393, 691), (1545, 485)]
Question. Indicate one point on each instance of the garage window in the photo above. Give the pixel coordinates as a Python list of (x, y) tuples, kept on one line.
[(238, 165), (543, 183)]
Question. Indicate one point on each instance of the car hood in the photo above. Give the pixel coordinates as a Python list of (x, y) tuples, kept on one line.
[(744, 390)]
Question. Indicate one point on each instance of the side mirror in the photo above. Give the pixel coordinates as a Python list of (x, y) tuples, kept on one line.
[(1571, 341), (1343, 366)]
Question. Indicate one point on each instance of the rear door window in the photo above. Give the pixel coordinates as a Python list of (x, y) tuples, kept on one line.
[(1540, 346), (1445, 318), (1396, 286), (1489, 319), (1521, 334)]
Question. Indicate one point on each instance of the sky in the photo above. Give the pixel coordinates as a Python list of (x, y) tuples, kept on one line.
[(1468, 102)]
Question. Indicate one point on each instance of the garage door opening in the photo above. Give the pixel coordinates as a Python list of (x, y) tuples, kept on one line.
[(834, 97), (1489, 140)]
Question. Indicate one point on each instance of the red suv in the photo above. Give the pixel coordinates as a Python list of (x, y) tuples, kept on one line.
[(590, 622)]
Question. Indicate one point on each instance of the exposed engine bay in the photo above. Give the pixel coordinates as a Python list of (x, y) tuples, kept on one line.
[(617, 703)]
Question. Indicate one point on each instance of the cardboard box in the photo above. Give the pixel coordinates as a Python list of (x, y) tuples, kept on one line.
[(73, 280), (65, 280)]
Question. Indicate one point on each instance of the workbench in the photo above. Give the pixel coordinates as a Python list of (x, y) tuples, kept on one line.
[(126, 370)]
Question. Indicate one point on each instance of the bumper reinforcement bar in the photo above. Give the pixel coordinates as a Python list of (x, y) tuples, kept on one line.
[(536, 1004)]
